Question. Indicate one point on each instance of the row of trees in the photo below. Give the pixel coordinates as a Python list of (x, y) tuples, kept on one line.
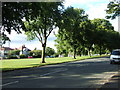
[(78, 33), (38, 19)]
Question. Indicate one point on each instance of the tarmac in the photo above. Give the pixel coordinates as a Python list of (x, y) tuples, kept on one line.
[(113, 83)]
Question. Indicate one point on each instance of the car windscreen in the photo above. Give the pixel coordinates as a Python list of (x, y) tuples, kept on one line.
[(115, 53)]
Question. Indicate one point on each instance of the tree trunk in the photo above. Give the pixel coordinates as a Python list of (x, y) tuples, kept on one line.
[(88, 49), (80, 55), (74, 53), (100, 50), (80, 52), (43, 53), (89, 53)]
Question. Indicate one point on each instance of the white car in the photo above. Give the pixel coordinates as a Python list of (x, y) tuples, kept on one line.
[(115, 56)]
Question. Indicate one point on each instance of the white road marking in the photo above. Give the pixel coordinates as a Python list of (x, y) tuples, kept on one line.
[(53, 72), (9, 83)]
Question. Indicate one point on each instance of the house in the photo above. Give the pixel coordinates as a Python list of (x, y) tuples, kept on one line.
[(4, 51)]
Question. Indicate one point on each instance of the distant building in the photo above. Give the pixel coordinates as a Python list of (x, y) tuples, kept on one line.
[(24, 50), (4, 51)]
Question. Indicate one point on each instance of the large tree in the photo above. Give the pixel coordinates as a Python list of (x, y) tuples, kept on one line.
[(88, 35), (61, 44), (101, 28), (70, 27), (41, 25), (113, 40)]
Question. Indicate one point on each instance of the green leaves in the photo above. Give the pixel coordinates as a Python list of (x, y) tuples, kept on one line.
[(69, 37), (16, 11), (30, 35), (49, 51), (3, 38), (113, 10)]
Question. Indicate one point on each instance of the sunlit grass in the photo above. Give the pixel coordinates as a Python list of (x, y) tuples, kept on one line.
[(12, 64)]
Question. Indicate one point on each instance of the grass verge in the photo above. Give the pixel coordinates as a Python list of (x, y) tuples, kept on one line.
[(14, 64)]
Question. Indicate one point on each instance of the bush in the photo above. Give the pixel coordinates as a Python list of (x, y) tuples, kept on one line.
[(11, 57), (15, 52), (36, 53), (49, 51), (56, 55), (23, 56)]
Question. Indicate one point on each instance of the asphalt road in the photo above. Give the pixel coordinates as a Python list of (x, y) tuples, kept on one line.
[(89, 73)]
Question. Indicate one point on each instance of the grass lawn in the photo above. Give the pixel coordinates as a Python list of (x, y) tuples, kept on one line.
[(12, 64)]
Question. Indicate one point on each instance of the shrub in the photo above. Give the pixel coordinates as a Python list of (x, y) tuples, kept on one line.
[(23, 56), (49, 51), (15, 52), (56, 55), (37, 53), (11, 57)]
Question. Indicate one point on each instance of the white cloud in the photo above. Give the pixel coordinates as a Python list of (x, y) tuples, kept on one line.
[(97, 11), (83, 2), (115, 23), (71, 2)]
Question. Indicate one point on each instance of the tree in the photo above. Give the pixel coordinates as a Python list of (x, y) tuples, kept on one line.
[(113, 40), (62, 46), (70, 27), (88, 34), (113, 9), (101, 28), (42, 25), (49, 51)]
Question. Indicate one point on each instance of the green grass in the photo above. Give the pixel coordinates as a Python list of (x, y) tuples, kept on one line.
[(13, 64)]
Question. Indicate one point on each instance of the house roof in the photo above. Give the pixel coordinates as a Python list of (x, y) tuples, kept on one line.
[(6, 48)]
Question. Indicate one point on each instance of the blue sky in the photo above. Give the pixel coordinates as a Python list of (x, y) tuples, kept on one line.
[(94, 8)]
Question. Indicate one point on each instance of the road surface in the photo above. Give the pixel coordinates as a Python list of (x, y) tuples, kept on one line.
[(89, 73)]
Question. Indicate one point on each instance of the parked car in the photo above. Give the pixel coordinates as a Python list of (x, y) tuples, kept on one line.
[(115, 56), (30, 57)]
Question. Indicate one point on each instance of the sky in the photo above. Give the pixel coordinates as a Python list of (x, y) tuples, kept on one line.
[(94, 9)]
